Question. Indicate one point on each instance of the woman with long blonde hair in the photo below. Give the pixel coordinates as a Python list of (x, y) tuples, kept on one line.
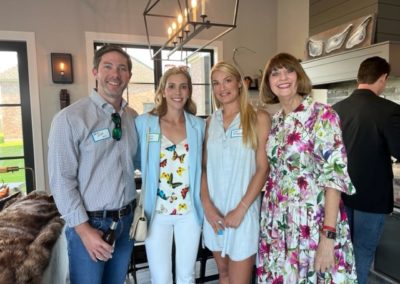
[(234, 171)]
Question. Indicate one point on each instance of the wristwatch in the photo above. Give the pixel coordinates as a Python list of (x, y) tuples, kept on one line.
[(329, 234)]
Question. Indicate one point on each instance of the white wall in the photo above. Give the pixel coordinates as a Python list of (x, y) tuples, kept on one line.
[(256, 31), (292, 26), (264, 26)]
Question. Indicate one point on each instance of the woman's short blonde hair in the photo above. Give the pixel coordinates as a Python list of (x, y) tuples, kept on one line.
[(289, 62), (248, 116), (161, 107)]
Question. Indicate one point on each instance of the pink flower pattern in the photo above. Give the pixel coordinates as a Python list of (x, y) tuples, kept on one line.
[(293, 137), (306, 154)]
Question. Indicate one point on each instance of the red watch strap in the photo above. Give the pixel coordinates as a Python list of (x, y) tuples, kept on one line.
[(329, 228)]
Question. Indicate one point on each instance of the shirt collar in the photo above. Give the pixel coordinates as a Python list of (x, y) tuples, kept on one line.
[(364, 92), (104, 105)]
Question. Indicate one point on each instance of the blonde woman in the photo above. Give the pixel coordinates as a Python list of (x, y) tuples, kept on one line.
[(234, 171), (171, 139)]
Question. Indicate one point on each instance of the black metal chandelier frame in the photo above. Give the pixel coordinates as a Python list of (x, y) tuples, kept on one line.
[(188, 30)]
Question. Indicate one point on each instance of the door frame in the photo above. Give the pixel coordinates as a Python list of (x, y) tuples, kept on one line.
[(29, 38)]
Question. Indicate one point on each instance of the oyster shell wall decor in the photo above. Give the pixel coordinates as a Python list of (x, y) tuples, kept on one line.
[(355, 34), (359, 34), (336, 41), (315, 47)]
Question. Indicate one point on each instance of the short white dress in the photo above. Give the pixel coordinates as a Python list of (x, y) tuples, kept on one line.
[(230, 167)]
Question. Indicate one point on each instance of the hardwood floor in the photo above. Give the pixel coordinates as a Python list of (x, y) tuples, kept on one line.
[(143, 276), (139, 260)]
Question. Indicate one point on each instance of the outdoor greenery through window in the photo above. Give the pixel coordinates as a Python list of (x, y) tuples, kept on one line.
[(147, 73), (16, 147)]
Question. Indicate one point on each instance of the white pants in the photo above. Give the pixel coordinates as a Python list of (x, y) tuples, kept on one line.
[(186, 232)]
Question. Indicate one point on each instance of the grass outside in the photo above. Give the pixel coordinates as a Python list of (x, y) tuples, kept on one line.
[(9, 149)]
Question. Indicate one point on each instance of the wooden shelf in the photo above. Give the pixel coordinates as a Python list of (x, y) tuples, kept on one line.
[(344, 66)]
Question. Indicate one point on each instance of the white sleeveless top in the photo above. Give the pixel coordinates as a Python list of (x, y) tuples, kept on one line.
[(230, 167)]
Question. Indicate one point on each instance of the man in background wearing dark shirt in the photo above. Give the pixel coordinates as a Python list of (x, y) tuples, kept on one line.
[(371, 134)]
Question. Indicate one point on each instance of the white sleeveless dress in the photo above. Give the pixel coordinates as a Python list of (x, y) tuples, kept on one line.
[(230, 167)]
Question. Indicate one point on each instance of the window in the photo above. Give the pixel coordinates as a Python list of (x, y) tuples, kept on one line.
[(147, 73), (16, 146)]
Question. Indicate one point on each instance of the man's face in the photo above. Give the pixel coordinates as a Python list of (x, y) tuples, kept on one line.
[(112, 75)]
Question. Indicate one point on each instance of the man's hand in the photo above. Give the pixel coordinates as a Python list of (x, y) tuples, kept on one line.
[(93, 242)]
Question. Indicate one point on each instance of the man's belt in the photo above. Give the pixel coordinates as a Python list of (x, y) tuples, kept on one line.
[(115, 214)]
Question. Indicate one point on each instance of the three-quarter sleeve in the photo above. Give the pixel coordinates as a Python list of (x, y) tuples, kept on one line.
[(330, 153)]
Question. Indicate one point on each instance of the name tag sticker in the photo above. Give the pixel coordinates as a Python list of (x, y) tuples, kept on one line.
[(236, 133), (101, 135), (153, 137)]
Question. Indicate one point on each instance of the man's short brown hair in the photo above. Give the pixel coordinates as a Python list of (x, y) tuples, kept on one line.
[(371, 69)]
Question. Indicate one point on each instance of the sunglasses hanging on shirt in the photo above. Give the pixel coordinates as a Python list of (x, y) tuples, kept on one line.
[(117, 131)]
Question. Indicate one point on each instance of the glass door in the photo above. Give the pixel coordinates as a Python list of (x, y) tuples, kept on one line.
[(16, 146)]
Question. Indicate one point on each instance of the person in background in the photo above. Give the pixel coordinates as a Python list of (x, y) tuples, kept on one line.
[(305, 236), (92, 148), (171, 140), (371, 134), (248, 82), (234, 172)]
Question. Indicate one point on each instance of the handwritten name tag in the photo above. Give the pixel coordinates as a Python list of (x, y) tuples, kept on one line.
[(153, 137), (101, 134), (236, 133)]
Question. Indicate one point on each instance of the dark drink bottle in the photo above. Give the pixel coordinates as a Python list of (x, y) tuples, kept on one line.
[(109, 236)]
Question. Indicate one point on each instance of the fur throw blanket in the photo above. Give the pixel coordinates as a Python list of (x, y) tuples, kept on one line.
[(29, 227)]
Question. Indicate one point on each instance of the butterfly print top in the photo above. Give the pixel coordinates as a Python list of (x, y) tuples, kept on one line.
[(173, 189)]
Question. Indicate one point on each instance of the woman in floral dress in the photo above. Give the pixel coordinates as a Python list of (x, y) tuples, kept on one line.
[(305, 234)]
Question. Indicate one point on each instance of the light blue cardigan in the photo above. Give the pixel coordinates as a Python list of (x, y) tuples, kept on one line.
[(195, 127)]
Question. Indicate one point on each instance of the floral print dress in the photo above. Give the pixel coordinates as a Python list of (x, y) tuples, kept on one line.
[(306, 154)]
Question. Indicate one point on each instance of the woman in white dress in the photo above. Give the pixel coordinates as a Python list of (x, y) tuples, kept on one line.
[(234, 171)]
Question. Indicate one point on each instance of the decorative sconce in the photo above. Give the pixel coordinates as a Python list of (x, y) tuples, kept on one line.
[(61, 68)]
